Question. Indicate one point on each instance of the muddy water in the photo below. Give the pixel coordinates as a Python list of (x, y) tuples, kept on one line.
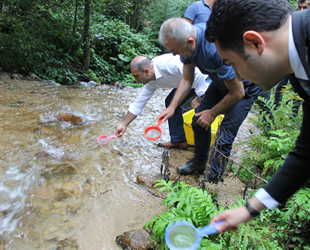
[(57, 185)]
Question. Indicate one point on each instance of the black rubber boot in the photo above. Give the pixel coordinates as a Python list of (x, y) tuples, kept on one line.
[(192, 166)]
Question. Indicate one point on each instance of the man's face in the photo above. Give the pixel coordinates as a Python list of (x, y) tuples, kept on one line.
[(260, 69), (140, 77), (303, 6), (177, 48)]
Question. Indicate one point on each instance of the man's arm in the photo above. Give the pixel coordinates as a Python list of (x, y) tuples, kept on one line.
[(236, 216), (188, 20), (123, 126), (136, 108), (235, 94), (182, 91)]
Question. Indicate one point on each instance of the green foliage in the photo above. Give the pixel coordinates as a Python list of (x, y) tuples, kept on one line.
[(293, 3), (33, 40), (196, 206), (114, 46), (42, 38), (267, 151), (160, 11), (183, 203)]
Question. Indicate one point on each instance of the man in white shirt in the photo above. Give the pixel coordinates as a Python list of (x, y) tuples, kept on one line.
[(163, 71)]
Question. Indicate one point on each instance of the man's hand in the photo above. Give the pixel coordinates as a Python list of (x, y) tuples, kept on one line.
[(236, 216), (166, 114), (205, 119), (121, 129), (232, 219), (195, 103)]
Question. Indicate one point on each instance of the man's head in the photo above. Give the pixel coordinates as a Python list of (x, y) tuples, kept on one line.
[(178, 36), (303, 4), (142, 69), (245, 32)]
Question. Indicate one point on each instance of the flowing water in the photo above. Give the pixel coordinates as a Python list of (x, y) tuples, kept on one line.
[(57, 185)]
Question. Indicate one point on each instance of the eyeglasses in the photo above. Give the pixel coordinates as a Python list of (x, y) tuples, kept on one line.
[(302, 7)]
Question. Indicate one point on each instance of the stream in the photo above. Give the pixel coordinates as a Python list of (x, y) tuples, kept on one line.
[(58, 187)]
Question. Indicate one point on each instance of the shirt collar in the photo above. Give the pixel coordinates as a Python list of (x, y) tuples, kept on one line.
[(295, 61), (156, 71), (203, 1)]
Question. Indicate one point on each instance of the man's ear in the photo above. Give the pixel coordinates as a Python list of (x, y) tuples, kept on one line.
[(253, 39), (191, 41), (147, 71)]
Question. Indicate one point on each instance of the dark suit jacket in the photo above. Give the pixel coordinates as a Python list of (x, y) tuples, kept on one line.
[(295, 171)]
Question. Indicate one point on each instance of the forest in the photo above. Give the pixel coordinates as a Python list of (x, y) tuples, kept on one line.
[(69, 40), (62, 40)]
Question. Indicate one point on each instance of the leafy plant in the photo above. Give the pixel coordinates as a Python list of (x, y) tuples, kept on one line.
[(196, 206), (266, 151), (183, 203)]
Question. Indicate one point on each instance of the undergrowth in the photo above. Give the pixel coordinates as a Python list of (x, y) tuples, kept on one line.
[(195, 205)]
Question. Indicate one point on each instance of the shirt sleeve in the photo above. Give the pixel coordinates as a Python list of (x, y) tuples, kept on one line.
[(137, 106), (266, 199), (200, 84), (224, 72), (185, 61), (191, 11)]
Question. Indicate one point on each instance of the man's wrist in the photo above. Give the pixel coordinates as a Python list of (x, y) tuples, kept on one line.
[(253, 212), (199, 98)]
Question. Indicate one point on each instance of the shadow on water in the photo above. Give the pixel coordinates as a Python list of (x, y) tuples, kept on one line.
[(57, 185)]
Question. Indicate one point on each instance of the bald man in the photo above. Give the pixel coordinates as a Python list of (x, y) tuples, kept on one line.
[(163, 71)]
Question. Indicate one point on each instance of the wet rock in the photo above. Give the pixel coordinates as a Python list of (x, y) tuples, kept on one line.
[(17, 76), (136, 239), (94, 193), (90, 84), (53, 83), (46, 130), (55, 171), (102, 190), (84, 78), (5, 76), (67, 244), (63, 158), (68, 117), (33, 77), (117, 152), (148, 180), (72, 188), (46, 208), (62, 195), (73, 208), (118, 85)]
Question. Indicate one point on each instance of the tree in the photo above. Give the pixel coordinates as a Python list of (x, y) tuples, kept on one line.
[(86, 36)]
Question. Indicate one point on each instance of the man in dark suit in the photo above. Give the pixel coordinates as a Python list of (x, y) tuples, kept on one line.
[(303, 4), (264, 44)]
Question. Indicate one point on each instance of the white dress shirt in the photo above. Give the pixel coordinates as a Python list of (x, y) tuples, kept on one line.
[(168, 73)]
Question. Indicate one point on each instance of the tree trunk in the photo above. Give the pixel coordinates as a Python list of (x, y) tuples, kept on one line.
[(86, 37), (74, 24)]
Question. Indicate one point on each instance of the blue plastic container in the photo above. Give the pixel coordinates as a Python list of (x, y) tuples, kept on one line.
[(182, 235)]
